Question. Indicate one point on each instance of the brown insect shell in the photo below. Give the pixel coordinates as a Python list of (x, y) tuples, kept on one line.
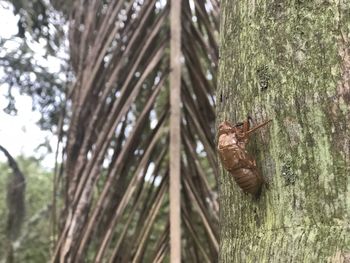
[(235, 159)]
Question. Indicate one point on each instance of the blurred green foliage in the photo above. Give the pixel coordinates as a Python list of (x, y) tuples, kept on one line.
[(34, 61), (34, 242)]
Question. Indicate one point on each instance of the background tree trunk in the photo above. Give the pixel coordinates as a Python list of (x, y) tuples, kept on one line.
[(288, 61)]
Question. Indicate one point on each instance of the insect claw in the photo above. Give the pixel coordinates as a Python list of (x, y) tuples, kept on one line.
[(258, 127)]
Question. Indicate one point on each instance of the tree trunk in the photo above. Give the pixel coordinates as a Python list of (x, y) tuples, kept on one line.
[(288, 61)]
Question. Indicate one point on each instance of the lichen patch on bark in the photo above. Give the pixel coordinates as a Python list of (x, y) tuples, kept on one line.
[(343, 89)]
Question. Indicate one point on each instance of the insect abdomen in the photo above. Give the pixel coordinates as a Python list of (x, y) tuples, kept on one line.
[(248, 180)]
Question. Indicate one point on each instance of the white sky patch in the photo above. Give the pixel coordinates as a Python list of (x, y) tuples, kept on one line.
[(8, 20), (20, 134), (150, 176), (153, 118), (191, 2)]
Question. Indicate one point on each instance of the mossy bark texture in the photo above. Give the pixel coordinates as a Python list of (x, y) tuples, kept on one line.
[(288, 61)]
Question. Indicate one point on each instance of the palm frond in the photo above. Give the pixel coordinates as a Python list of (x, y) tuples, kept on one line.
[(140, 161)]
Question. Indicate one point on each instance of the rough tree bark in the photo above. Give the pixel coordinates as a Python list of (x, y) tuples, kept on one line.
[(288, 61)]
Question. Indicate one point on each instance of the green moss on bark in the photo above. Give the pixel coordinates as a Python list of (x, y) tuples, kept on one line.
[(287, 60)]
